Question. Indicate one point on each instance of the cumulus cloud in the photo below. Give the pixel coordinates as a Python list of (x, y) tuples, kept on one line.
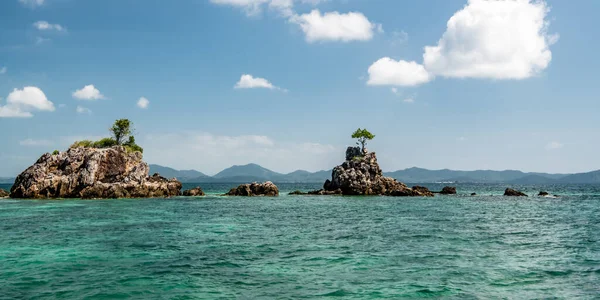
[(212, 153), (35, 143), (143, 103), (32, 3), (248, 81), (387, 71), (492, 39), (83, 110), (334, 26), (554, 145), (43, 25), (21, 103), (88, 92)]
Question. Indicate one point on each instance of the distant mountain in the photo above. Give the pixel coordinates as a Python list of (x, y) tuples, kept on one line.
[(254, 172), (249, 170), (183, 175), (482, 176), (590, 177)]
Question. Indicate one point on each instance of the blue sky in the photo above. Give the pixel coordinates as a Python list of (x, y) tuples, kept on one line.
[(501, 84)]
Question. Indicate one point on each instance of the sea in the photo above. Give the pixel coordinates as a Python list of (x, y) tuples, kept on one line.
[(306, 247)]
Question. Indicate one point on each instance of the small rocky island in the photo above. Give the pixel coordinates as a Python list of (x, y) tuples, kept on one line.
[(267, 189), (109, 168), (360, 174)]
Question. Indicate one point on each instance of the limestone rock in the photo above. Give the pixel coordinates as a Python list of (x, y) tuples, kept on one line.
[(3, 193), (267, 189), (195, 192), (360, 174), (448, 190), (543, 194), (514, 193), (92, 174)]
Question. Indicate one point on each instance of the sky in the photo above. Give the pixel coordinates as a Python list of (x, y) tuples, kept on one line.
[(458, 84)]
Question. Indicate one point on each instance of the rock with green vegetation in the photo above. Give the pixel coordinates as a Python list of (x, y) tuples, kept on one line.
[(361, 175), (267, 189), (84, 172)]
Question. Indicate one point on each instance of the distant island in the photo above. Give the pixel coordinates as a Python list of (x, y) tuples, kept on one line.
[(254, 172)]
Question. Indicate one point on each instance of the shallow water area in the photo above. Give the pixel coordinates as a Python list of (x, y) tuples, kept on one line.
[(458, 247)]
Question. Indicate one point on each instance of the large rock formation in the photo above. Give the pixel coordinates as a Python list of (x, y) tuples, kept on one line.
[(92, 173), (514, 193), (360, 175), (267, 189)]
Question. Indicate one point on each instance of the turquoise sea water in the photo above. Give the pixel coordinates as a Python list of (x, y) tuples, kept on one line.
[(295, 247)]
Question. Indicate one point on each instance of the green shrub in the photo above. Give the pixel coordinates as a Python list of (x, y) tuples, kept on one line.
[(56, 152), (83, 144), (133, 148), (104, 143)]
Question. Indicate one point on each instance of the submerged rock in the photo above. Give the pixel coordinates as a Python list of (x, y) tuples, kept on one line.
[(448, 190), (514, 193), (543, 194), (3, 193), (195, 192), (360, 174), (267, 189), (92, 173)]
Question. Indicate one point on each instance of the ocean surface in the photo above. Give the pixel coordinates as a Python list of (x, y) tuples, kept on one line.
[(305, 247)]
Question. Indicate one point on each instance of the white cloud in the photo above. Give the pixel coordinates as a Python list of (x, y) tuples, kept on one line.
[(43, 25), (21, 103), (83, 110), (387, 71), (88, 92), (333, 26), (461, 139), (3, 70), (409, 100), (143, 103), (554, 145), (211, 153), (32, 3), (248, 81), (35, 143), (398, 37), (492, 39)]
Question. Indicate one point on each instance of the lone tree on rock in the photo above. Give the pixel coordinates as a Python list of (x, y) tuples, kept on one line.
[(363, 135), (121, 130)]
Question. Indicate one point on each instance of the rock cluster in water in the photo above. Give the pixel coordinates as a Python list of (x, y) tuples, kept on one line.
[(3, 193), (514, 193), (267, 189), (360, 174), (92, 173), (195, 192)]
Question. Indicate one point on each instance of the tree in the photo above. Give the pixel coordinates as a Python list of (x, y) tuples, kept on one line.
[(121, 130), (363, 135)]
